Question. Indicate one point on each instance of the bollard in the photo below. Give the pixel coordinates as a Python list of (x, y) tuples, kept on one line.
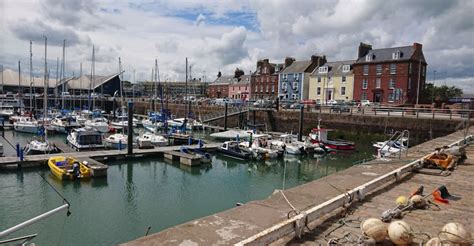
[(17, 150), (21, 155)]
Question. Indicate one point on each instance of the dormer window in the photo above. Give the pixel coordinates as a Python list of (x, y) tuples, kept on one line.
[(396, 55), (323, 69), (369, 57), (346, 68)]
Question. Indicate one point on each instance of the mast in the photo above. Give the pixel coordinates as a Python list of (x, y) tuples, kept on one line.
[(92, 79), (2, 78), (19, 86), (31, 77), (45, 84), (186, 93), (121, 87), (80, 88), (156, 78), (63, 68), (57, 83), (133, 85)]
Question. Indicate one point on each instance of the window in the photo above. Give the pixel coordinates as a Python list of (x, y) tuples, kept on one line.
[(318, 91), (364, 96), (409, 68), (319, 79), (393, 68), (296, 76), (284, 77), (286, 96), (409, 83), (346, 68), (283, 86), (268, 79), (273, 88), (295, 85), (379, 69), (391, 97), (369, 57), (323, 69), (261, 88), (330, 79), (266, 89), (265, 70), (343, 79), (366, 69), (364, 84), (294, 96), (391, 85), (343, 91), (256, 88), (378, 83), (396, 55)]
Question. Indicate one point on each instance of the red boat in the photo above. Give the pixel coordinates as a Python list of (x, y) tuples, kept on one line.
[(320, 136)]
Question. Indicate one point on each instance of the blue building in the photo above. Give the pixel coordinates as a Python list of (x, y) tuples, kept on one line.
[(293, 80)]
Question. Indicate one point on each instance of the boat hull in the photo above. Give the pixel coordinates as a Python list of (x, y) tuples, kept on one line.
[(59, 167), (26, 129)]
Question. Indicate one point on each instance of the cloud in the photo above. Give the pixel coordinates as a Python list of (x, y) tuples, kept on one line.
[(229, 48), (36, 30)]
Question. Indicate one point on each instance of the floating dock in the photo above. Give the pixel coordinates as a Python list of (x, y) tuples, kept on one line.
[(98, 155), (291, 212), (184, 158)]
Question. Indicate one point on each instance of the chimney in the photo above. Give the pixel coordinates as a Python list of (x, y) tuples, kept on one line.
[(417, 46), (265, 61), (363, 49), (318, 60), (289, 61)]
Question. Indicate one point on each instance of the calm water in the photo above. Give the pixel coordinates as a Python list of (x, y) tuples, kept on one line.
[(147, 192)]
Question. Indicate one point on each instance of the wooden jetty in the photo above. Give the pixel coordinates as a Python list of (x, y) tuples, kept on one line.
[(63, 147), (98, 169), (184, 158), (37, 160), (291, 212)]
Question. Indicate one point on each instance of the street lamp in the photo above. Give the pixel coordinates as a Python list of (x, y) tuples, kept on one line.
[(432, 92)]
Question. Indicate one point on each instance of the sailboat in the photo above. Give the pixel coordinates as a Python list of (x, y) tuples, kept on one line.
[(42, 146)]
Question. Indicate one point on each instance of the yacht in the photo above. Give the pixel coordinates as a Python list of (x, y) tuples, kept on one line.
[(116, 141), (100, 124), (153, 139), (36, 147), (63, 124), (85, 138), (26, 124), (7, 111)]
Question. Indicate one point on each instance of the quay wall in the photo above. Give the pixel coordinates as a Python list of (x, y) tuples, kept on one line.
[(421, 129)]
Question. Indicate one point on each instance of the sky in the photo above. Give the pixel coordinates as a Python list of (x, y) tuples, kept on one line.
[(229, 34)]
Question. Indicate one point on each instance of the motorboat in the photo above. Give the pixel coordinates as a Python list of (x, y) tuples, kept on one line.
[(205, 157), (190, 123), (100, 124), (26, 124), (122, 122), (320, 136), (285, 143), (151, 125), (7, 111), (233, 150), (85, 138), (260, 148), (116, 141), (235, 134), (68, 168), (387, 148), (37, 147), (153, 139), (63, 124)]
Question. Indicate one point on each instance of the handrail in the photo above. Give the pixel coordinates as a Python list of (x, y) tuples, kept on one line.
[(399, 137)]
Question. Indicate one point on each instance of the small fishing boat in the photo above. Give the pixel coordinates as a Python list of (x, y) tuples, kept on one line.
[(260, 148), (116, 141), (27, 125), (285, 143), (37, 147), (233, 150), (100, 124), (319, 136), (68, 168), (85, 138)]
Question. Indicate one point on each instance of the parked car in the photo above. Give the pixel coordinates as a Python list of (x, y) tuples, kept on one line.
[(295, 105), (365, 103), (340, 107), (331, 102)]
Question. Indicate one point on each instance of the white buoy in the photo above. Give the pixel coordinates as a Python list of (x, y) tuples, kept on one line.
[(455, 233), (374, 228), (400, 233), (418, 201)]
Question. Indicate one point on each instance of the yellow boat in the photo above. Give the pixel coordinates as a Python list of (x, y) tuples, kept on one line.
[(63, 168), (441, 160)]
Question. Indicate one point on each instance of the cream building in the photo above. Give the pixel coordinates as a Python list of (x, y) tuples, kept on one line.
[(332, 81)]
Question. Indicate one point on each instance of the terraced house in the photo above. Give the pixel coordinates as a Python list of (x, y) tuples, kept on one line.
[(332, 81), (293, 80), (390, 75), (264, 80)]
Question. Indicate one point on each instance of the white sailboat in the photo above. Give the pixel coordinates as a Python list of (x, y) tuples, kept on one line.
[(100, 124), (42, 146), (116, 141), (153, 139)]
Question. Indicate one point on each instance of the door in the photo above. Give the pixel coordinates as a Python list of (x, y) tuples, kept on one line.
[(378, 97), (329, 95)]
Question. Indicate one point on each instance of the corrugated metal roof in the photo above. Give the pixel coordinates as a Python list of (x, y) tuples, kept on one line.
[(10, 78)]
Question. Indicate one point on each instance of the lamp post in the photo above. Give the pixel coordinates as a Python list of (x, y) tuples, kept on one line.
[(433, 90)]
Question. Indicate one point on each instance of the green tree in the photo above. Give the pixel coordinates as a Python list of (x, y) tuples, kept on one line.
[(439, 94)]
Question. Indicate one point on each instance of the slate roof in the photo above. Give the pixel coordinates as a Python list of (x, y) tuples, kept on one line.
[(225, 79), (335, 68), (298, 67), (385, 55)]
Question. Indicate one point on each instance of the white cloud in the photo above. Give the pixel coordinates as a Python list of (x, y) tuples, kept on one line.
[(212, 36)]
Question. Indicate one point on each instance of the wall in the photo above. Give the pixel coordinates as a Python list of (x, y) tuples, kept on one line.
[(336, 85)]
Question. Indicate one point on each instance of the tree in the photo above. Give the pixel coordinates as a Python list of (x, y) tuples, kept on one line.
[(439, 94)]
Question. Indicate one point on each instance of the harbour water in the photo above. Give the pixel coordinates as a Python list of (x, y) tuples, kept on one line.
[(149, 192)]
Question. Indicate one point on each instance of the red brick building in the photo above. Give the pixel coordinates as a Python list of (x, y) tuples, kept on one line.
[(389, 75), (264, 81)]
